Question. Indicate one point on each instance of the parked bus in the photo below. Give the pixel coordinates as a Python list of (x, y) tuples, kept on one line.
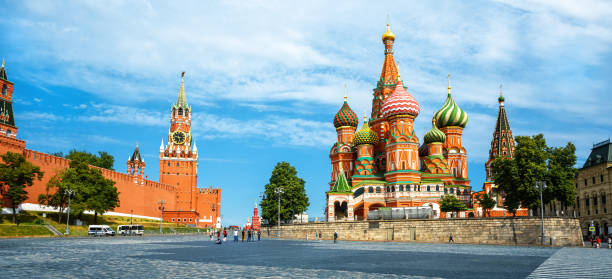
[(100, 230), (130, 230)]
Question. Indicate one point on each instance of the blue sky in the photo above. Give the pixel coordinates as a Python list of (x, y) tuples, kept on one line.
[(265, 78)]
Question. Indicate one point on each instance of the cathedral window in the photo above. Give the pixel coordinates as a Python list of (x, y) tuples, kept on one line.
[(437, 188), (4, 88), (168, 163), (377, 189), (180, 111), (371, 190), (593, 179), (428, 188), (401, 188)]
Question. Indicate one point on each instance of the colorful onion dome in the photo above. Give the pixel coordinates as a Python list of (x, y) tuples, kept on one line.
[(400, 102), (450, 114), (365, 135), (346, 116), (434, 135), (388, 35)]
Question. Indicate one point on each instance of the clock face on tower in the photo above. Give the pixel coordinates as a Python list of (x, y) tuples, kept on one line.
[(178, 137)]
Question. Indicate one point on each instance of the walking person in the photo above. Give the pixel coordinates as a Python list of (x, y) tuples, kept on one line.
[(609, 242), (242, 235), (335, 236), (598, 242), (210, 234), (235, 235), (317, 235), (259, 237), (450, 238), (224, 235), (218, 237), (249, 236), (592, 240)]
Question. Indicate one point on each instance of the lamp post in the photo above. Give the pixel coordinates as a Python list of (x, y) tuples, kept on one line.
[(278, 192), (213, 217), (131, 214), (542, 185), (69, 193), (161, 208)]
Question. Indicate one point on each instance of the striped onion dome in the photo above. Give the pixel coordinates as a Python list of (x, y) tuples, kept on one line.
[(434, 135), (400, 102), (346, 116), (365, 135), (450, 114)]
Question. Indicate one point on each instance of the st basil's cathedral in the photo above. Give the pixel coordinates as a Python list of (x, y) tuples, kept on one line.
[(384, 164)]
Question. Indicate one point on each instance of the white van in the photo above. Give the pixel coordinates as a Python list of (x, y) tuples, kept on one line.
[(130, 230), (100, 230)]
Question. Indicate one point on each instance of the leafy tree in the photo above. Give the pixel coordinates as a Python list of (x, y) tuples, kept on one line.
[(450, 203), (102, 160), (55, 194), (15, 175), (512, 203), (293, 199), (534, 161), (91, 190), (486, 202)]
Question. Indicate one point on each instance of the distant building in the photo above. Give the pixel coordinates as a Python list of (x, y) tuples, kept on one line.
[(183, 201), (593, 191)]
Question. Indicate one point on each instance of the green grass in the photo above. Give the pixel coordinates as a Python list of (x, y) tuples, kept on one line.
[(31, 224), (24, 230)]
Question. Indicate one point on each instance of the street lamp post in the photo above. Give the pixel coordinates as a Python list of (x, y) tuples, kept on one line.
[(69, 193), (161, 208), (214, 222), (542, 185), (278, 192), (131, 215)]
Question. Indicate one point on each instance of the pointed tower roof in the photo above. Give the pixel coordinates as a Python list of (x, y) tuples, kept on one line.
[(345, 116), (502, 137), (341, 185), (434, 135), (181, 101), (161, 146), (136, 155), (3, 71), (388, 75)]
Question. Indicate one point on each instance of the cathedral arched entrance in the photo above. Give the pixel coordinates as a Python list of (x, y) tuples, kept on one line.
[(340, 210)]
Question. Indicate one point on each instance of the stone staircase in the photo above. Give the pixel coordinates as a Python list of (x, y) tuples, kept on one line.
[(54, 230)]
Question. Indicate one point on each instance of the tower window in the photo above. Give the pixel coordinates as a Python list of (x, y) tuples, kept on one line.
[(428, 188), (593, 179), (180, 111), (4, 88)]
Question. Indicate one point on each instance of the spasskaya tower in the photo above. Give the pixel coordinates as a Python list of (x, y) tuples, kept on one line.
[(178, 160)]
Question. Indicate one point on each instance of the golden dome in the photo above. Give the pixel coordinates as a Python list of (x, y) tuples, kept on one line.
[(388, 35)]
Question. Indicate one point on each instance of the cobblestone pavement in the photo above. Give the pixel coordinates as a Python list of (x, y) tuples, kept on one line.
[(197, 257)]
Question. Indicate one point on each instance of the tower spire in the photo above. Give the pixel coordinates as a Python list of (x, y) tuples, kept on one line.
[(449, 87), (501, 96), (182, 98), (345, 93)]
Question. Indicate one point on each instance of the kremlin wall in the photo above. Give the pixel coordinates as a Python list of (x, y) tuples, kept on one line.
[(184, 202)]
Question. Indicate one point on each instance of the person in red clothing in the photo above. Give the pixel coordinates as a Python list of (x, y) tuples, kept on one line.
[(224, 235), (218, 237), (598, 242)]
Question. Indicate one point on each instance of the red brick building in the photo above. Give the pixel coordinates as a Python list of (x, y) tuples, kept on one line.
[(183, 201)]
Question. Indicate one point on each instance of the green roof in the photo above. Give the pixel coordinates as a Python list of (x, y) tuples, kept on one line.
[(341, 185), (600, 153)]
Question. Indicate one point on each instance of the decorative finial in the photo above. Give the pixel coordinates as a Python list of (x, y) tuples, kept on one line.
[(365, 117), (398, 71), (183, 74), (345, 94), (500, 91), (388, 20), (2, 62), (449, 87)]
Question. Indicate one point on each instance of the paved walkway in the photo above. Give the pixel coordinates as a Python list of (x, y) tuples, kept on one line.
[(198, 257)]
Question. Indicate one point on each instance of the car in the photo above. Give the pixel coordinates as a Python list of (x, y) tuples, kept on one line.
[(100, 230), (130, 230)]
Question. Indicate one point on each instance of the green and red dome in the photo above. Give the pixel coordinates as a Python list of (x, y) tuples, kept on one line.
[(346, 116), (434, 135)]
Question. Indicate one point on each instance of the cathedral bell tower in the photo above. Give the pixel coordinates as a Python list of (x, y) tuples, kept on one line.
[(178, 160)]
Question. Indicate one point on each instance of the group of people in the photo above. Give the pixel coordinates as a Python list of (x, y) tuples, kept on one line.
[(596, 242), (222, 235)]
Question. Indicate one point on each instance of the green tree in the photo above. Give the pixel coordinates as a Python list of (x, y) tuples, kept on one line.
[(293, 199), (15, 175), (54, 195), (534, 161), (102, 160), (91, 190), (450, 203), (486, 202)]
